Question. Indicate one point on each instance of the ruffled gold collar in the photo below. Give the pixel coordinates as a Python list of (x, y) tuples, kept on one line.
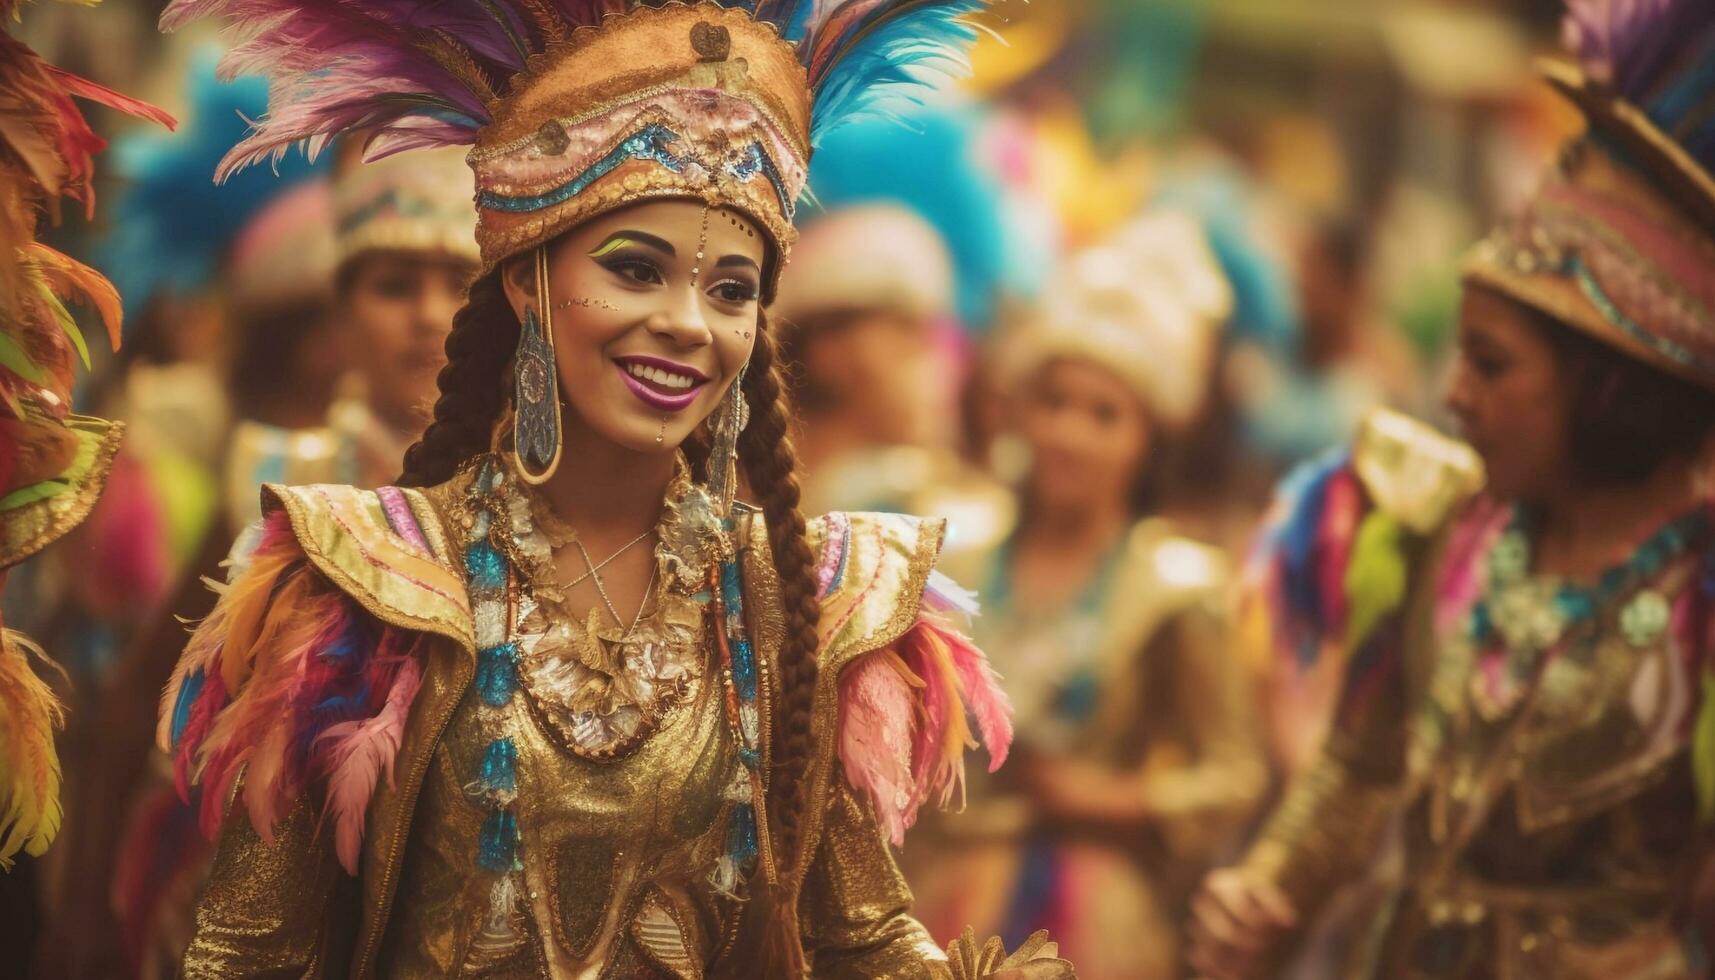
[(598, 688)]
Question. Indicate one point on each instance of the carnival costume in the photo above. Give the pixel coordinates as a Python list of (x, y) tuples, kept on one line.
[(1550, 740), (390, 689), (53, 463), (1133, 676)]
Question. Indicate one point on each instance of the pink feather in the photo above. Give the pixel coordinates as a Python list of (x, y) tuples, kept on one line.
[(353, 755), (1340, 516), (876, 727), (982, 692), (273, 781), (1463, 566), (903, 727)]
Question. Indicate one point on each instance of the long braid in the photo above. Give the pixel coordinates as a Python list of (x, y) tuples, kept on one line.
[(770, 465), (473, 389)]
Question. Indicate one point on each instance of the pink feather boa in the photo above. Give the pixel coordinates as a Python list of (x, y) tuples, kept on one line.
[(905, 717)]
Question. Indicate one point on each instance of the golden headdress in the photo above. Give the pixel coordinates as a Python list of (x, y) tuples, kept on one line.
[(1619, 241), (576, 107)]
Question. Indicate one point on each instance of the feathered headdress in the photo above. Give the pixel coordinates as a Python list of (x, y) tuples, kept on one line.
[(575, 107), (52, 464), (1620, 240)]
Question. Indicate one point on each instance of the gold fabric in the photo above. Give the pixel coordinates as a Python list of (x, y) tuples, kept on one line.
[(597, 838), (345, 533), (283, 909), (1548, 839), (875, 598), (32, 527)]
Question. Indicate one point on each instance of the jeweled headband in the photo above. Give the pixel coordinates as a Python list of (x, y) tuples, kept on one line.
[(1619, 242), (577, 107)]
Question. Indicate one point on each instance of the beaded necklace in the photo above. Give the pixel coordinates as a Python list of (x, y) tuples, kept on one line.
[(1521, 618), (698, 551)]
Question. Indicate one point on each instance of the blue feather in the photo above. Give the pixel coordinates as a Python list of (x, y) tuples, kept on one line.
[(931, 165), (888, 62), (172, 225), (188, 692)]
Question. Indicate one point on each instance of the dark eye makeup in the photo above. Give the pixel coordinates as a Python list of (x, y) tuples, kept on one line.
[(634, 265)]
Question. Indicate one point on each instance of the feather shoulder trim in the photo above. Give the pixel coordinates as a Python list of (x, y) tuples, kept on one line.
[(906, 719), (1332, 560), (289, 683)]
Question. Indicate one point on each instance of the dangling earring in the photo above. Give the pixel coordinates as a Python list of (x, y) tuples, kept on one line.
[(730, 421), (536, 420)]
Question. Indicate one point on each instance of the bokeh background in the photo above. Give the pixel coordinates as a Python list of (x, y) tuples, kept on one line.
[(1091, 305)]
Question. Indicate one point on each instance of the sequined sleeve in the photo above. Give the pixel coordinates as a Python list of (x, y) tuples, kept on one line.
[(855, 907), (266, 911), (1325, 831)]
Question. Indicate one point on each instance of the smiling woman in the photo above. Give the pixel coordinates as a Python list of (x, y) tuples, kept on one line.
[(604, 759)]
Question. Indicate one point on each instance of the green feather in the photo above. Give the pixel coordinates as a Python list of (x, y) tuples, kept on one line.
[(1703, 750), (1375, 578), (66, 321), (13, 358)]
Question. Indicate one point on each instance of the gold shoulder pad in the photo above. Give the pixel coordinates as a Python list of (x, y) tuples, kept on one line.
[(385, 548), (1413, 473), (871, 572)]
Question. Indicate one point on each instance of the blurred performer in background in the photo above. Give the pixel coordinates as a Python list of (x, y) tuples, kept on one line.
[(1136, 760), (705, 783), (867, 322), (407, 255), (53, 464), (1527, 671)]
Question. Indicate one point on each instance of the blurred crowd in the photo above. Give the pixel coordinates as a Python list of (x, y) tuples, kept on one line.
[(1090, 307)]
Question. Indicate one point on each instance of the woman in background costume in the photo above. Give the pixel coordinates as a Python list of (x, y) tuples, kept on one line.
[(407, 255), (1135, 762), (1526, 642), (435, 733)]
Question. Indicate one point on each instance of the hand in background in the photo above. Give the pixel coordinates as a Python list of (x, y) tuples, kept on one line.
[(1238, 919)]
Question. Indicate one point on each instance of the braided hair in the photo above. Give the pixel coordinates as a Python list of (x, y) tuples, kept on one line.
[(475, 395), (473, 386)]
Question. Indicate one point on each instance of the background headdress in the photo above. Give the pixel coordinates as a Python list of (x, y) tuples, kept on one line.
[(415, 203), (1148, 304), (52, 463), (171, 228), (575, 107), (939, 166), (1620, 240)]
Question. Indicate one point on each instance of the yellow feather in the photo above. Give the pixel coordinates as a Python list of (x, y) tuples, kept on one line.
[(29, 765)]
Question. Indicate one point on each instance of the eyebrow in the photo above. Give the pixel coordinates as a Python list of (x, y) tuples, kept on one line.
[(619, 239), (738, 261)]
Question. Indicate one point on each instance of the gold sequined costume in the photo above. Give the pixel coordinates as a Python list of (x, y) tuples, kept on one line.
[(1547, 798)]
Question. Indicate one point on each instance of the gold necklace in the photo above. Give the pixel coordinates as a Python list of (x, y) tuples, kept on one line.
[(598, 566), (601, 590)]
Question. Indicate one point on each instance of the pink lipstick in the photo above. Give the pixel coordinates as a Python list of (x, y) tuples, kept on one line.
[(664, 386)]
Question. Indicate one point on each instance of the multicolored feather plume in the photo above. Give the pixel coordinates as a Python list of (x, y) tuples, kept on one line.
[(289, 684), (410, 74), (1659, 55)]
